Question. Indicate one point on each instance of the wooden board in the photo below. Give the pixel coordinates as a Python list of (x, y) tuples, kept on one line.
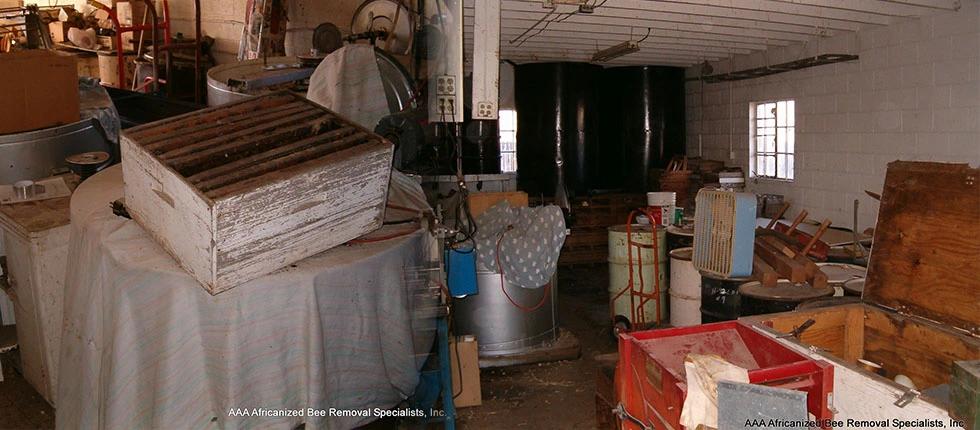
[(921, 350), (480, 202), (240, 190), (926, 256), (31, 218)]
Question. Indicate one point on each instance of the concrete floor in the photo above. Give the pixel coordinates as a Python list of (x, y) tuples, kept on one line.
[(546, 395), (552, 395)]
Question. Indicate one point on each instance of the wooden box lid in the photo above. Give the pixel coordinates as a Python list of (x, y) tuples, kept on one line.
[(926, 255)]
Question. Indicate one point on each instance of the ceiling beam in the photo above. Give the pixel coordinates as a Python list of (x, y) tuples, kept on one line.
[(887, 8), (640, 17), (599, 43), (715, 9), (590, 49), (598, 23), (588, 54), (621, 61), (516, 27), (816, 13)]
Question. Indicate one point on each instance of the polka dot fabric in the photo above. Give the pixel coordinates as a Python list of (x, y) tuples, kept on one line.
[(530, 240)]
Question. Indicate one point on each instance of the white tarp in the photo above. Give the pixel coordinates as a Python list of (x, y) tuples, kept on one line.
[(145, 346), (348, 82)]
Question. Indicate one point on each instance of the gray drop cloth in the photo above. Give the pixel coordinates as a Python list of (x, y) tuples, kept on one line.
[(144, 346), (348, 82), (530, 240)]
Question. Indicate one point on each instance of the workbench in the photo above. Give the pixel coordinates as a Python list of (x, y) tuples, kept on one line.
[(146, 347), (36, 245)]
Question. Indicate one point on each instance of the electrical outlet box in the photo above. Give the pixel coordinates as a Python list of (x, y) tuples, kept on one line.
[(446, 85), (485, 110), (446, 105)]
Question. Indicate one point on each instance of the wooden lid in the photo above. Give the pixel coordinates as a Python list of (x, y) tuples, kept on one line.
[(784, 291), (926, 255)]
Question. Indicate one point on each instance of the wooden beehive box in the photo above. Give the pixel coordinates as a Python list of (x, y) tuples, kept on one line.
[(237, 191), (921, 309)]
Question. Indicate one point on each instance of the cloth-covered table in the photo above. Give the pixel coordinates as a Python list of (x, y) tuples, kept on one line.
[(144, 346)]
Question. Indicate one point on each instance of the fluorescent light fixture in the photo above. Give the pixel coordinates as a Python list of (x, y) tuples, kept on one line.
[(616, 51)]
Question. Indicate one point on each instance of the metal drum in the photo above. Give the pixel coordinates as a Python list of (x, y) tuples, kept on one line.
[(685, 289), (854, 287), (785, 296), (619, 272), (227, 82), (679, 237), (500, 327), (720, 300), (827, 302), (839, 273), (35, 154)]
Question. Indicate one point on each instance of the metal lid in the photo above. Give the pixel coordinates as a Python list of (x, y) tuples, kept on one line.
[(826, 302), (854, 286), (684, 254), (784, 291), (635, 228), (838, 273), (716, 276), (680, 231)]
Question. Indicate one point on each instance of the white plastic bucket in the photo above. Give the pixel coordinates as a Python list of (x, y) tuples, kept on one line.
[(665, 201)]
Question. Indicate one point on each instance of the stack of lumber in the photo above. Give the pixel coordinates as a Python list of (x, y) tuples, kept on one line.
[(780, 255), (589, 221)]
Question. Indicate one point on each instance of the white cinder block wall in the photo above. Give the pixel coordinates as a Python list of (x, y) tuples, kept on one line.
[(914, 94)]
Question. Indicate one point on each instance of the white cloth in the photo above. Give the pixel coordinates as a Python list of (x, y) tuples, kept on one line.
[(348, 82), (703, 373), (144, 346), (530, 240)]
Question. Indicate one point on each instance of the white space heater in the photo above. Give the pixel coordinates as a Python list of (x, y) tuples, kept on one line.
[(724, 233)]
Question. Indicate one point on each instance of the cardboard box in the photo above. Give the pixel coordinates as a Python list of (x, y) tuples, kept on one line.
[(59, 31), (40, 89), (465, 363), (106, 42)]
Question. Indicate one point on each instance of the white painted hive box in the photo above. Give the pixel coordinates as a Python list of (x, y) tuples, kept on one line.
[(237, 191)]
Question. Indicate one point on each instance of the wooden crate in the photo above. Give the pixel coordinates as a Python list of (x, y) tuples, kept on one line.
[(237, 191), (919, 311)]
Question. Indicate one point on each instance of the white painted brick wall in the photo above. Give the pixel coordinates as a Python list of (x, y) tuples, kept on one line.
[(913, 95)]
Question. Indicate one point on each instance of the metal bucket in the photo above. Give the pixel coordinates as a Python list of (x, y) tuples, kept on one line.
[(839, 273), (785, 296), (619, 272), (685, 289), (502, 328), (720, 300)]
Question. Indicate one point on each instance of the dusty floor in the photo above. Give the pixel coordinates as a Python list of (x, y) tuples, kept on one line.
[(547, 395), (552, 395)]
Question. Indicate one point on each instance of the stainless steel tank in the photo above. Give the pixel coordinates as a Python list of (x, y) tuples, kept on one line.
[(36, 154), (502, 328), (225, 82)]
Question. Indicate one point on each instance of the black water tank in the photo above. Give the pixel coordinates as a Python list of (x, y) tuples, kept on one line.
[(643, 124), (557, 107)]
